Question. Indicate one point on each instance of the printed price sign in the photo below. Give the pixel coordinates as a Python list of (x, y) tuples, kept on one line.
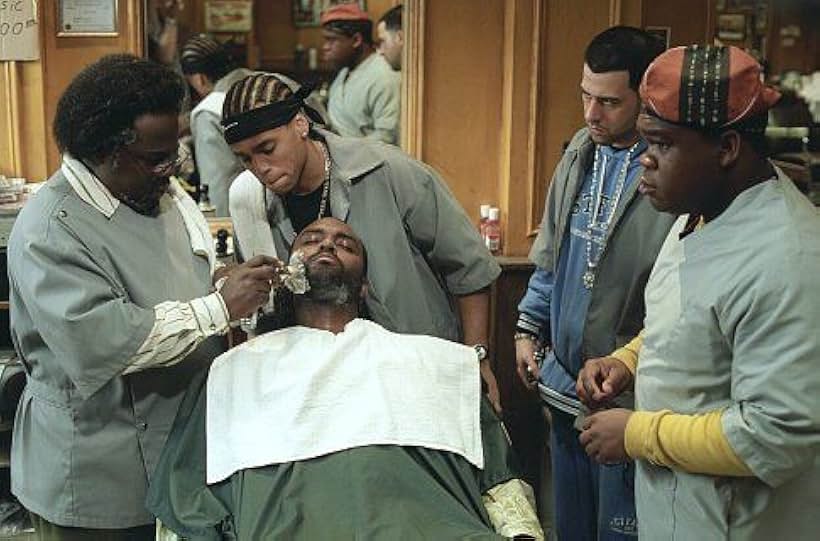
[(19, 31)]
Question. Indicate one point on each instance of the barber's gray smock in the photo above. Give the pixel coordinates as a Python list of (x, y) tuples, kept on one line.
[(732, 315), (83, 286), (421, 246), (366, 101)]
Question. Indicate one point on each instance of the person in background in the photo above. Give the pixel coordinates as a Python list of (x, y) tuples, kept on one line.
[(262, 452), (113, 306), (593, 254), (391, 36), (211, 70), (364, 99), (430, 272), (163, 31), (726, 431)]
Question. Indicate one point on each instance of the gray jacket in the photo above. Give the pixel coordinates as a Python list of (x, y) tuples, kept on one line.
[(82, 290), (616, 308)]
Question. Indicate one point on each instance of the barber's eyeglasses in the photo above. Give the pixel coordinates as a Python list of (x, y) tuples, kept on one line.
[(166, 167)]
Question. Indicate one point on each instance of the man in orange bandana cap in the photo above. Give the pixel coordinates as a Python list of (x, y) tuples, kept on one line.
[(364, 97), (726, 430)]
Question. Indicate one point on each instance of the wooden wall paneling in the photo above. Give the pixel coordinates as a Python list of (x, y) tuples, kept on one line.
[(7, 139), (463, 94), (690, 20), (22, 151), (567, 29), (518, 123), (412, 81), (29, 121), (630, 13), (63, 57)]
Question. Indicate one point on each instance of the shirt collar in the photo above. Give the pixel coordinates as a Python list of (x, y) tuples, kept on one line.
[(351, 158), (88, 187)]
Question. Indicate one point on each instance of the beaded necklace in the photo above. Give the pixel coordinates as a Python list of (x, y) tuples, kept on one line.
[(588, 277)]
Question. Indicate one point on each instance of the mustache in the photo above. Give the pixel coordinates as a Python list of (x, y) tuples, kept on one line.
[(324, 252)]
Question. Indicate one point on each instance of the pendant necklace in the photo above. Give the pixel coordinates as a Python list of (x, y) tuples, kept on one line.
[(588, 278), (323, 203), (326, 183)]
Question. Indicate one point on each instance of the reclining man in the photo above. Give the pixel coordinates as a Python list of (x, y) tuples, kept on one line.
[(338, 428)]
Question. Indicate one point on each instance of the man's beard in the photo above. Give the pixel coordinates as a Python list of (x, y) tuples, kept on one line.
[(148, 203), (330, 285)]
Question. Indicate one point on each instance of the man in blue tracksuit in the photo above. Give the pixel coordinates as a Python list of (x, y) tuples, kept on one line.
[(595, 247)]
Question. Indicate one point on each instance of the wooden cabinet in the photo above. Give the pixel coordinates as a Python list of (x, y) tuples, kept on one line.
[(522, 409)]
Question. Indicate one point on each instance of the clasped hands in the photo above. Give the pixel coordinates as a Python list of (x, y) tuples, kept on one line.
[(599, 382)]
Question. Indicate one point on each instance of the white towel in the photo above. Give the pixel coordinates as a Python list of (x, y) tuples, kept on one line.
[(250, 217), (301, 393)]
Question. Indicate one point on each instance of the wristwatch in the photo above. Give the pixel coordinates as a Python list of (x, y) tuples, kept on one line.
[(481, 351)]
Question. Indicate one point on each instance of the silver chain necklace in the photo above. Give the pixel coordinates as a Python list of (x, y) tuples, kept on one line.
[(326, 183), (325, 187), (588, 277)]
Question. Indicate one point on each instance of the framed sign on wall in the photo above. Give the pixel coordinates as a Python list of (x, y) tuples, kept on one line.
[(229, 15), (79, 18)]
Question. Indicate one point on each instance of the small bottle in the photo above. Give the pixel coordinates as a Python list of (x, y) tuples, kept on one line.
[(205, 201), (484, 215), (299, 57), (492, 231)]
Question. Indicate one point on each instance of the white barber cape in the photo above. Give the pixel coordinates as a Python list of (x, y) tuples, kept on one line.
[(300, 393)]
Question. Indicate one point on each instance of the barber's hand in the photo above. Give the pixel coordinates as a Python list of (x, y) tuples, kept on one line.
[(601, 380), (248, 285), (223, 272), (492, 385), (603, 436), (525, 359)]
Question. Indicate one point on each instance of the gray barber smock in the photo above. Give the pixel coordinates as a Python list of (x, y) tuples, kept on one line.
[(82, 290), (731, 324)]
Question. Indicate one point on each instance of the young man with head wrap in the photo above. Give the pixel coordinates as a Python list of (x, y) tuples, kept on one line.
[(364, 98), (112, 304), (211, 71), (336, 428), (431, 272), (727, 428)]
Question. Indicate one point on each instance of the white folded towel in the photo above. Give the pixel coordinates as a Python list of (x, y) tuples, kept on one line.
[(301, 393)]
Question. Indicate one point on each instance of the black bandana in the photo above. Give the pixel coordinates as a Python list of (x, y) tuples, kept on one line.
[(268, 117)]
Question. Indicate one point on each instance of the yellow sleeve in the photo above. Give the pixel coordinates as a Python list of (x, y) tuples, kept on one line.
[(629, 353), (692, 443)]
